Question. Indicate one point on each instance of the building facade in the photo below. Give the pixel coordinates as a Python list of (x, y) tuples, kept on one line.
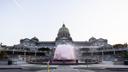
[(63, 37), (92, 49)]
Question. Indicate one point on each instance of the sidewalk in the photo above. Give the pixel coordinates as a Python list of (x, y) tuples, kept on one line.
[(101, 66), (10, 67), (33, 66)]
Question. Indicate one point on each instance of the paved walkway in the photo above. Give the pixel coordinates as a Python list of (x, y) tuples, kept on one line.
[(102, 66), (66, 68), (10, 67)]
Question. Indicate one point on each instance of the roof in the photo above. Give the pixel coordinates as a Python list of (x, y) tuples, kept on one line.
[(82, 43)]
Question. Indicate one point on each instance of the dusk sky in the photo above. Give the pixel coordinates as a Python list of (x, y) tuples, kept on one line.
[(106, 19)]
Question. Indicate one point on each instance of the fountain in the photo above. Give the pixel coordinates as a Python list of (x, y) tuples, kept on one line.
[(64, 54)]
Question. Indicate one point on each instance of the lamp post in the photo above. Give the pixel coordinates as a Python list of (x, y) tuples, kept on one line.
[(24, 54), (87, 49), (13, 51), (92, 51), (35, 53), (102, 55), (114, 51)]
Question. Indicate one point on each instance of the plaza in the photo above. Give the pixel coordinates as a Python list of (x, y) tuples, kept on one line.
[(64, 68)]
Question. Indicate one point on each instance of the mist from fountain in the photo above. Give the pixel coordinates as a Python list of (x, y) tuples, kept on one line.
[(64, 52)]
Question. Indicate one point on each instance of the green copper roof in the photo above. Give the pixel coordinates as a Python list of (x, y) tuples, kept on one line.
[(63, 29)]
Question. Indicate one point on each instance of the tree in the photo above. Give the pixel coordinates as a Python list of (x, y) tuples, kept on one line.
[(120, 45), (125, 55), (44, 49), (3, 55)]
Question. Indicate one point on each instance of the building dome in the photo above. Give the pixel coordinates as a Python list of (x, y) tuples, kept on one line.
[(100, 39), (92, 39), (63, 35), (63, 32), (35, 39)]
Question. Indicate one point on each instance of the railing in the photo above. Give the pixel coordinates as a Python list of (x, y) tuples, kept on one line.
[(113, 49), (16, 50), (106, 50), (82, 51)]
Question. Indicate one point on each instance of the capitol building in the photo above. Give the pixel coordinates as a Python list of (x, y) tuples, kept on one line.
[(93, 50), (63, 37)]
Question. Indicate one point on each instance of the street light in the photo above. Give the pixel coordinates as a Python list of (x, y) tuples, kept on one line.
[(35, 53), (114, 51), (13, 51), (102, 55), (24, 54), (87, 49)]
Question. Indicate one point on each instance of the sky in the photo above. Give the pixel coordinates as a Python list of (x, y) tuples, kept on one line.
[(21, 19)]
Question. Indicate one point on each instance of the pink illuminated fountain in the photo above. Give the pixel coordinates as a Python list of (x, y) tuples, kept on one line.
[(64, 53)]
